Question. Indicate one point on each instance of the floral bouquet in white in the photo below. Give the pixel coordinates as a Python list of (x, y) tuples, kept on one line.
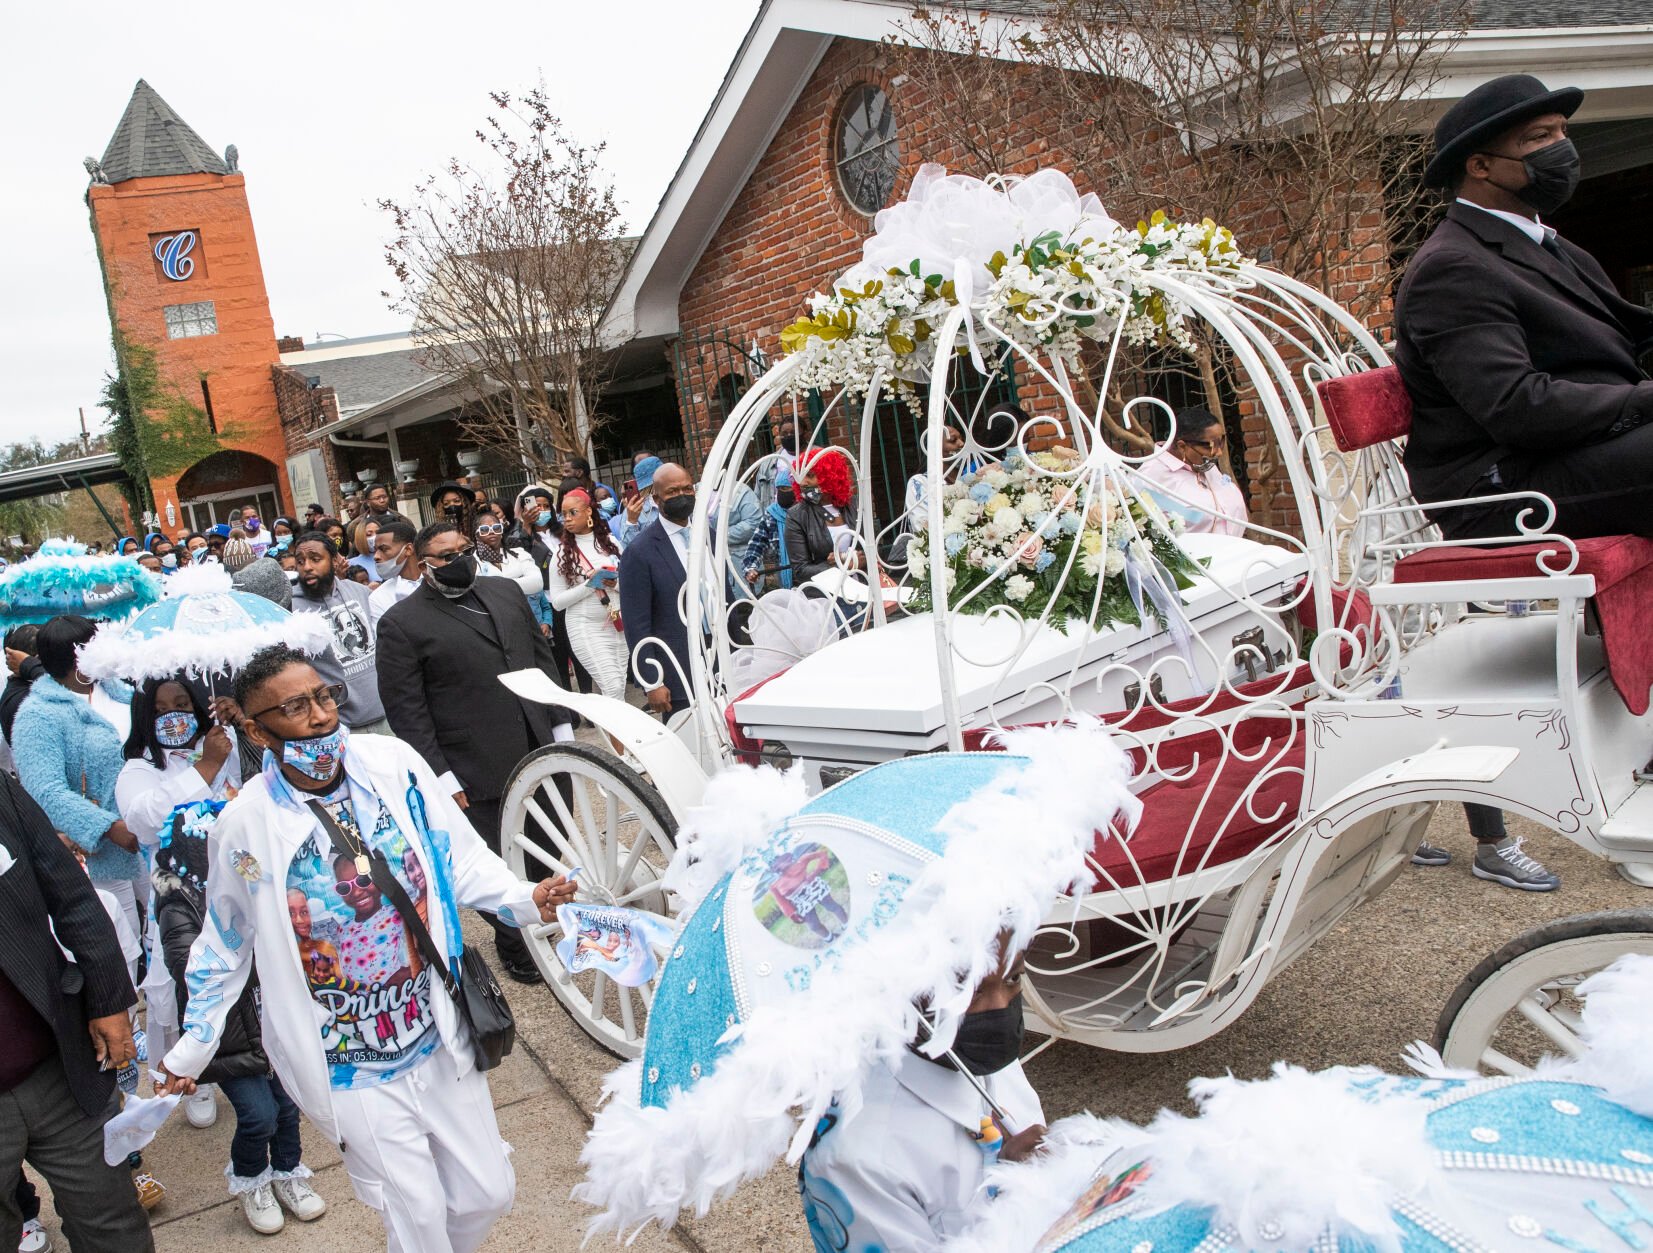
[(1033, 535), (1038, 265)]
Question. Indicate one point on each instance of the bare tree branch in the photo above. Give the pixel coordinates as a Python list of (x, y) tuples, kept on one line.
[(505, 272)]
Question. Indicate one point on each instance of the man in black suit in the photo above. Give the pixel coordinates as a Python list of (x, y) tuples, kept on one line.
[(653, 569), (441, 652), (61, 1020), (1522, 361)]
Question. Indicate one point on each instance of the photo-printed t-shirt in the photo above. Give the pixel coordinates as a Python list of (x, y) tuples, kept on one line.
[(352, 659), (362, 966)]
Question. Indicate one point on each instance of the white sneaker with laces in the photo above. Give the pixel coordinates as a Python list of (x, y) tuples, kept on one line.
[(35, 1239), (201, 1108), (263, 1214), (300, 1200)]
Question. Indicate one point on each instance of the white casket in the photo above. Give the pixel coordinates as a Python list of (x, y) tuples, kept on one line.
[(878, 694)]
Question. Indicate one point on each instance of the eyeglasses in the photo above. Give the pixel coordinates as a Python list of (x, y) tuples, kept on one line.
[(1204, 445), (345, 886), (440, 559), (490, 528), (324, 698)]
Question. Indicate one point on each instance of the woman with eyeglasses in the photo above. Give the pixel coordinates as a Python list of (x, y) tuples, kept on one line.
[(1190, 470)]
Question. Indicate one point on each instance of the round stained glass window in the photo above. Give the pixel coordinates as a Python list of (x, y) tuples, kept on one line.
[(866, 154)]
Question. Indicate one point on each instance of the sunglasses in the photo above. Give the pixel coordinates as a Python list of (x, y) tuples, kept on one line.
[(344, 886), (490, 528)]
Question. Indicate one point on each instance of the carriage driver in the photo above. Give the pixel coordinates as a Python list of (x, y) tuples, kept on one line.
[(1521, 359)]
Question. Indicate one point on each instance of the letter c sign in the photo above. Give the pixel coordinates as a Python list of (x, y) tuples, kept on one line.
[(172, 251)]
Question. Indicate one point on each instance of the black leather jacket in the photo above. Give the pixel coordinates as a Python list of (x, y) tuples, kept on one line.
[(809, 539)]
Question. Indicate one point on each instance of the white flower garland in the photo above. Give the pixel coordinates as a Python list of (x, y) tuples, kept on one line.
[(1072, 274)]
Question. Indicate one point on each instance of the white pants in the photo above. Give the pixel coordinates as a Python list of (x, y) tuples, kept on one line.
[(424, 1151), (600, 648), (132, 895)]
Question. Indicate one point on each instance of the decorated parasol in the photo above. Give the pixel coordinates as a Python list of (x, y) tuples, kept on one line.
[(1351, 1160), (62, 578), (815, 929), (203, 627)]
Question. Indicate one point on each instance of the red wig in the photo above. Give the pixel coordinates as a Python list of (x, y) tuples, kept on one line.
[(832, 473)]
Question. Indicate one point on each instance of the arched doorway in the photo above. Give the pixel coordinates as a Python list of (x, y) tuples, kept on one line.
[(228, 480)]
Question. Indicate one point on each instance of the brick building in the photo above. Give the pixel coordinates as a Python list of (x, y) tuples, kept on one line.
[(191, 317), (761, 214)]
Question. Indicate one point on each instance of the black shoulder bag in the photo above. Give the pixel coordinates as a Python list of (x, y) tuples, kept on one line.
[(476, 993)]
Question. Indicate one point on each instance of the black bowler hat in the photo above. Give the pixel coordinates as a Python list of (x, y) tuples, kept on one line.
[(1487, 112)]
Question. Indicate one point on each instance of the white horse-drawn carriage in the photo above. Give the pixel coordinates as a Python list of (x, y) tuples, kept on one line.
[(1296, 705)]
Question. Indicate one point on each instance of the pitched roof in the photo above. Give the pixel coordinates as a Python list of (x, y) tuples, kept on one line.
[(366, 380), (152, 140)]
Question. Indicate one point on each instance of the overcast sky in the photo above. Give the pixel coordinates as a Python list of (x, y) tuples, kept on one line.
[(332, 106)]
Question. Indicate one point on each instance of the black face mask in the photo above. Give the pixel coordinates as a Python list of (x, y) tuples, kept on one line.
[(813, 495), (457, 577), (789, 443), (786, 497), (990, 1039), (1553, 172), (679, 509)]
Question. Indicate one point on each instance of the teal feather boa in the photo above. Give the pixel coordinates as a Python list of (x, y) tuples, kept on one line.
[(62, 579)]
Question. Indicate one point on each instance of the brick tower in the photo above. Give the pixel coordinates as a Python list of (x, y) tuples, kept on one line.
[(195, 343)]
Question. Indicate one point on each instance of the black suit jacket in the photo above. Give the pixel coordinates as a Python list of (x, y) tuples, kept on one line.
[(46, 883), (1508, 349), (651, 584), (438, 666)]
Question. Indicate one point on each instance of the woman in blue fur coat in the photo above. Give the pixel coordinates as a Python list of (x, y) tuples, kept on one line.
[(67, 743)]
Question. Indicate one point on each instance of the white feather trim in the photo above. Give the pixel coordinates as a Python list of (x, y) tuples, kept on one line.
[(740, 808), (198, 580), (1012, 846), (1029, 1197), (1616, 1026), (108, 654), (1298, 1152), (1427, 1061)]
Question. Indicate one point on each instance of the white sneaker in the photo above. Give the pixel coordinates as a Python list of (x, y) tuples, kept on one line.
[(300, 1200), (263, 1214), (201, 1108), (35, 1239)]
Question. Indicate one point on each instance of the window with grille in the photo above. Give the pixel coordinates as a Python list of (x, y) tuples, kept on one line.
[(867, 155), (188, 321)]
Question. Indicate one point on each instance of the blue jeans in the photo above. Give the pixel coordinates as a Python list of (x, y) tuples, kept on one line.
[(266, 1126)]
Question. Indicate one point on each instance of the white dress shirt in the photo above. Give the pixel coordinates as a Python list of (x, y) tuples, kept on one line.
[(1531, 227), (390, 592)]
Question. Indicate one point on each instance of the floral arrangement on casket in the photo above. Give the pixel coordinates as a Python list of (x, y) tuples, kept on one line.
[(1026, 533), (1038, 265)]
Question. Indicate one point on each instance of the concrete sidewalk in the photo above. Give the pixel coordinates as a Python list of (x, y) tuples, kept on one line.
[(1374, 984)]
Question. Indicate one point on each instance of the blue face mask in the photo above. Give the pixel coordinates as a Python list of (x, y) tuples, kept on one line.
[(608, 509), (318, 756), (543, 518), (175, 729)]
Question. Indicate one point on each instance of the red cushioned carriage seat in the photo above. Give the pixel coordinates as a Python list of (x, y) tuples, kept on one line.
[(1166, 842), (1623, 569)]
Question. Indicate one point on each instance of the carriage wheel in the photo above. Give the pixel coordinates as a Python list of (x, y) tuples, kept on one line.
[(569, 805), (1521, 1003)]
